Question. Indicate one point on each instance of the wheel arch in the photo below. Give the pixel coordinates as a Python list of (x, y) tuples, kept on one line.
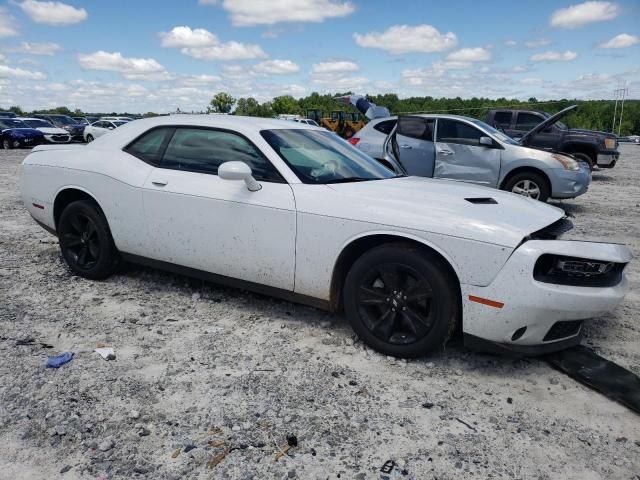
[(355, 247), (581, 147), (526, 169), (67, 195)]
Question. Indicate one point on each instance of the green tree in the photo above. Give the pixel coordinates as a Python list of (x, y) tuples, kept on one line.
[(285, 104), (221, 102)]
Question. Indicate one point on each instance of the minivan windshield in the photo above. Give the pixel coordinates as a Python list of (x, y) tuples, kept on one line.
[(496, 133), (321, 157)]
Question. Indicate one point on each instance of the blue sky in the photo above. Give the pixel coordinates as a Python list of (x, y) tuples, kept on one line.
[(149, 55)]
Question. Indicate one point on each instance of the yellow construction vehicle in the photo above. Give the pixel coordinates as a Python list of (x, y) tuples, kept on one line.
[(345, 124)]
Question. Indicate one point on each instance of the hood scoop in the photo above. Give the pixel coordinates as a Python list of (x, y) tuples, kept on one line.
[(482, 201)]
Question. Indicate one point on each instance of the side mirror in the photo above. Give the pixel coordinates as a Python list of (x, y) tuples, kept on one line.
[(486, 141), (239, 171)]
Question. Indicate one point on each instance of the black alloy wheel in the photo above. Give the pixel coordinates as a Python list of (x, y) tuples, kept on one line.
[(86, 242), (402, 300)]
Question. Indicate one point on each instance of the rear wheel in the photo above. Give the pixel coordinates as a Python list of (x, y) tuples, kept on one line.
[(529, 184), (89, 138), (401, 301), (86, 242)]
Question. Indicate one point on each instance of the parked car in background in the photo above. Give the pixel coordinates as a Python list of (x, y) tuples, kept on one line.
[(306, 121), (75, 129), (86, 120), (370, 139), (595, 148), (466, 149), (407, 259), (99, 128), (52, 134), (7, 115), (117, 119), (630, 139), (15, 133)]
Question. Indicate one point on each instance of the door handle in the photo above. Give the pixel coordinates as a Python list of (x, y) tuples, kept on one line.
[(445, 152), (159, 183), (408, 147)]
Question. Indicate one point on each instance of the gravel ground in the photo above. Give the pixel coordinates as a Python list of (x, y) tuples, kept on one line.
[(202, 371)]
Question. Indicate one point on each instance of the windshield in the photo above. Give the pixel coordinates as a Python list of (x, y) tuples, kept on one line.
[(64, 120), (118, 123), (13, 123), (319, 157), (496, 133), (38, 123)]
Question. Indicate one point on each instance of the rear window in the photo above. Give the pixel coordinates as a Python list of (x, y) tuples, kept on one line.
[(526, 121), (385, 127), (149, 147), (416, 127), (502, 119)]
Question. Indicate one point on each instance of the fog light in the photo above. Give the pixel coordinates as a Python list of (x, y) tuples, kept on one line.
[(585, 268)]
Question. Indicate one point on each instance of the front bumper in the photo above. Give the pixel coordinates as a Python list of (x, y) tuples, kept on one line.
[(58, 138), (569, 183), (608, 159), (537, 306), (26, 142)]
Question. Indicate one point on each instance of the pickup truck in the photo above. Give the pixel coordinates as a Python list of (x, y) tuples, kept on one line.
[(595, 148)]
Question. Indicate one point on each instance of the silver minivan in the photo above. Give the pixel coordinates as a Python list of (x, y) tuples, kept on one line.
[(466, 149)]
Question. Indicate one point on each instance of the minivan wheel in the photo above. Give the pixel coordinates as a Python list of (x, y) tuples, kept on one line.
[(86, 242), (401, 301), (529, 184)]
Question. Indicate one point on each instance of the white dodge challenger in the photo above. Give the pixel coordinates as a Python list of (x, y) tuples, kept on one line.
[(293, 211)]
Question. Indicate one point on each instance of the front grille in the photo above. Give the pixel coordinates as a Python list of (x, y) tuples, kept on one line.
[(563, 329), (60, 138), (553, 231)]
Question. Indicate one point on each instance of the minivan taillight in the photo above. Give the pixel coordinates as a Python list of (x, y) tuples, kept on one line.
[(354, 140)]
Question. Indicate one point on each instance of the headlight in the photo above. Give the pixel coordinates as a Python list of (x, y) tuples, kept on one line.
[(610, 143), (583, 272), (567, 162)]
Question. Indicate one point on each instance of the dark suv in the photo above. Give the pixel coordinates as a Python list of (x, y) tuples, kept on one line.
[(75, 129), (596, 148)]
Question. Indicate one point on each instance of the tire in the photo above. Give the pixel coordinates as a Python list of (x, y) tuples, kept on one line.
[(422, 314), (6, 144), (583, 157), (86, 242), (529, 184), (89, 138)]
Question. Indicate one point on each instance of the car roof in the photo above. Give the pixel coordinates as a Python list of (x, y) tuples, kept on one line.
[(29, 118)]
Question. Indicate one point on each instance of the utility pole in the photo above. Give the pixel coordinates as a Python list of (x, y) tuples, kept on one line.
[(625, 92), (615, 109)]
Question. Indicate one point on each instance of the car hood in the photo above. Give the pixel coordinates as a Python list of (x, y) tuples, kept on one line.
[(549, 121), (591, 133), (443, 206), (53, 131), (25, 132)]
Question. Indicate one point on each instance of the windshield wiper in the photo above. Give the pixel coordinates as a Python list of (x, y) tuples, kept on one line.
[(350, 180)]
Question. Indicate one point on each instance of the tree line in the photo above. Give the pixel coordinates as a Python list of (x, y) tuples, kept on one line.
[(590, 115)]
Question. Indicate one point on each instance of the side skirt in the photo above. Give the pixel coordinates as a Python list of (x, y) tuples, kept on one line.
[(228, 281)]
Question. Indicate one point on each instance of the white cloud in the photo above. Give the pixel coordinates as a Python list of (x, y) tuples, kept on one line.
[(276, 67), (554, 56), (19, 73), (334, 67), (465, 55), (204, 45), (623, 40), (7, 24), (404, 39), (250, 12), (53, 13), (47, 49), (531, 81), (511, 43), (2, 58), (541, 42), (519, 69), (115, 62), (584, 13)]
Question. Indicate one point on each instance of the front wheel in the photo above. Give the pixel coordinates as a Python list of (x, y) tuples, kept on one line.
[(89, 138), (6, 144), (529, 184), (86, 242), (583, 157), (401, 301)]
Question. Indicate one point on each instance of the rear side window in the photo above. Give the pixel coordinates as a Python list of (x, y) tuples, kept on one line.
[(526, 121), (453, 131), (416, 127), (204, 150), (149, 146), (385, 127), (502, 119)]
